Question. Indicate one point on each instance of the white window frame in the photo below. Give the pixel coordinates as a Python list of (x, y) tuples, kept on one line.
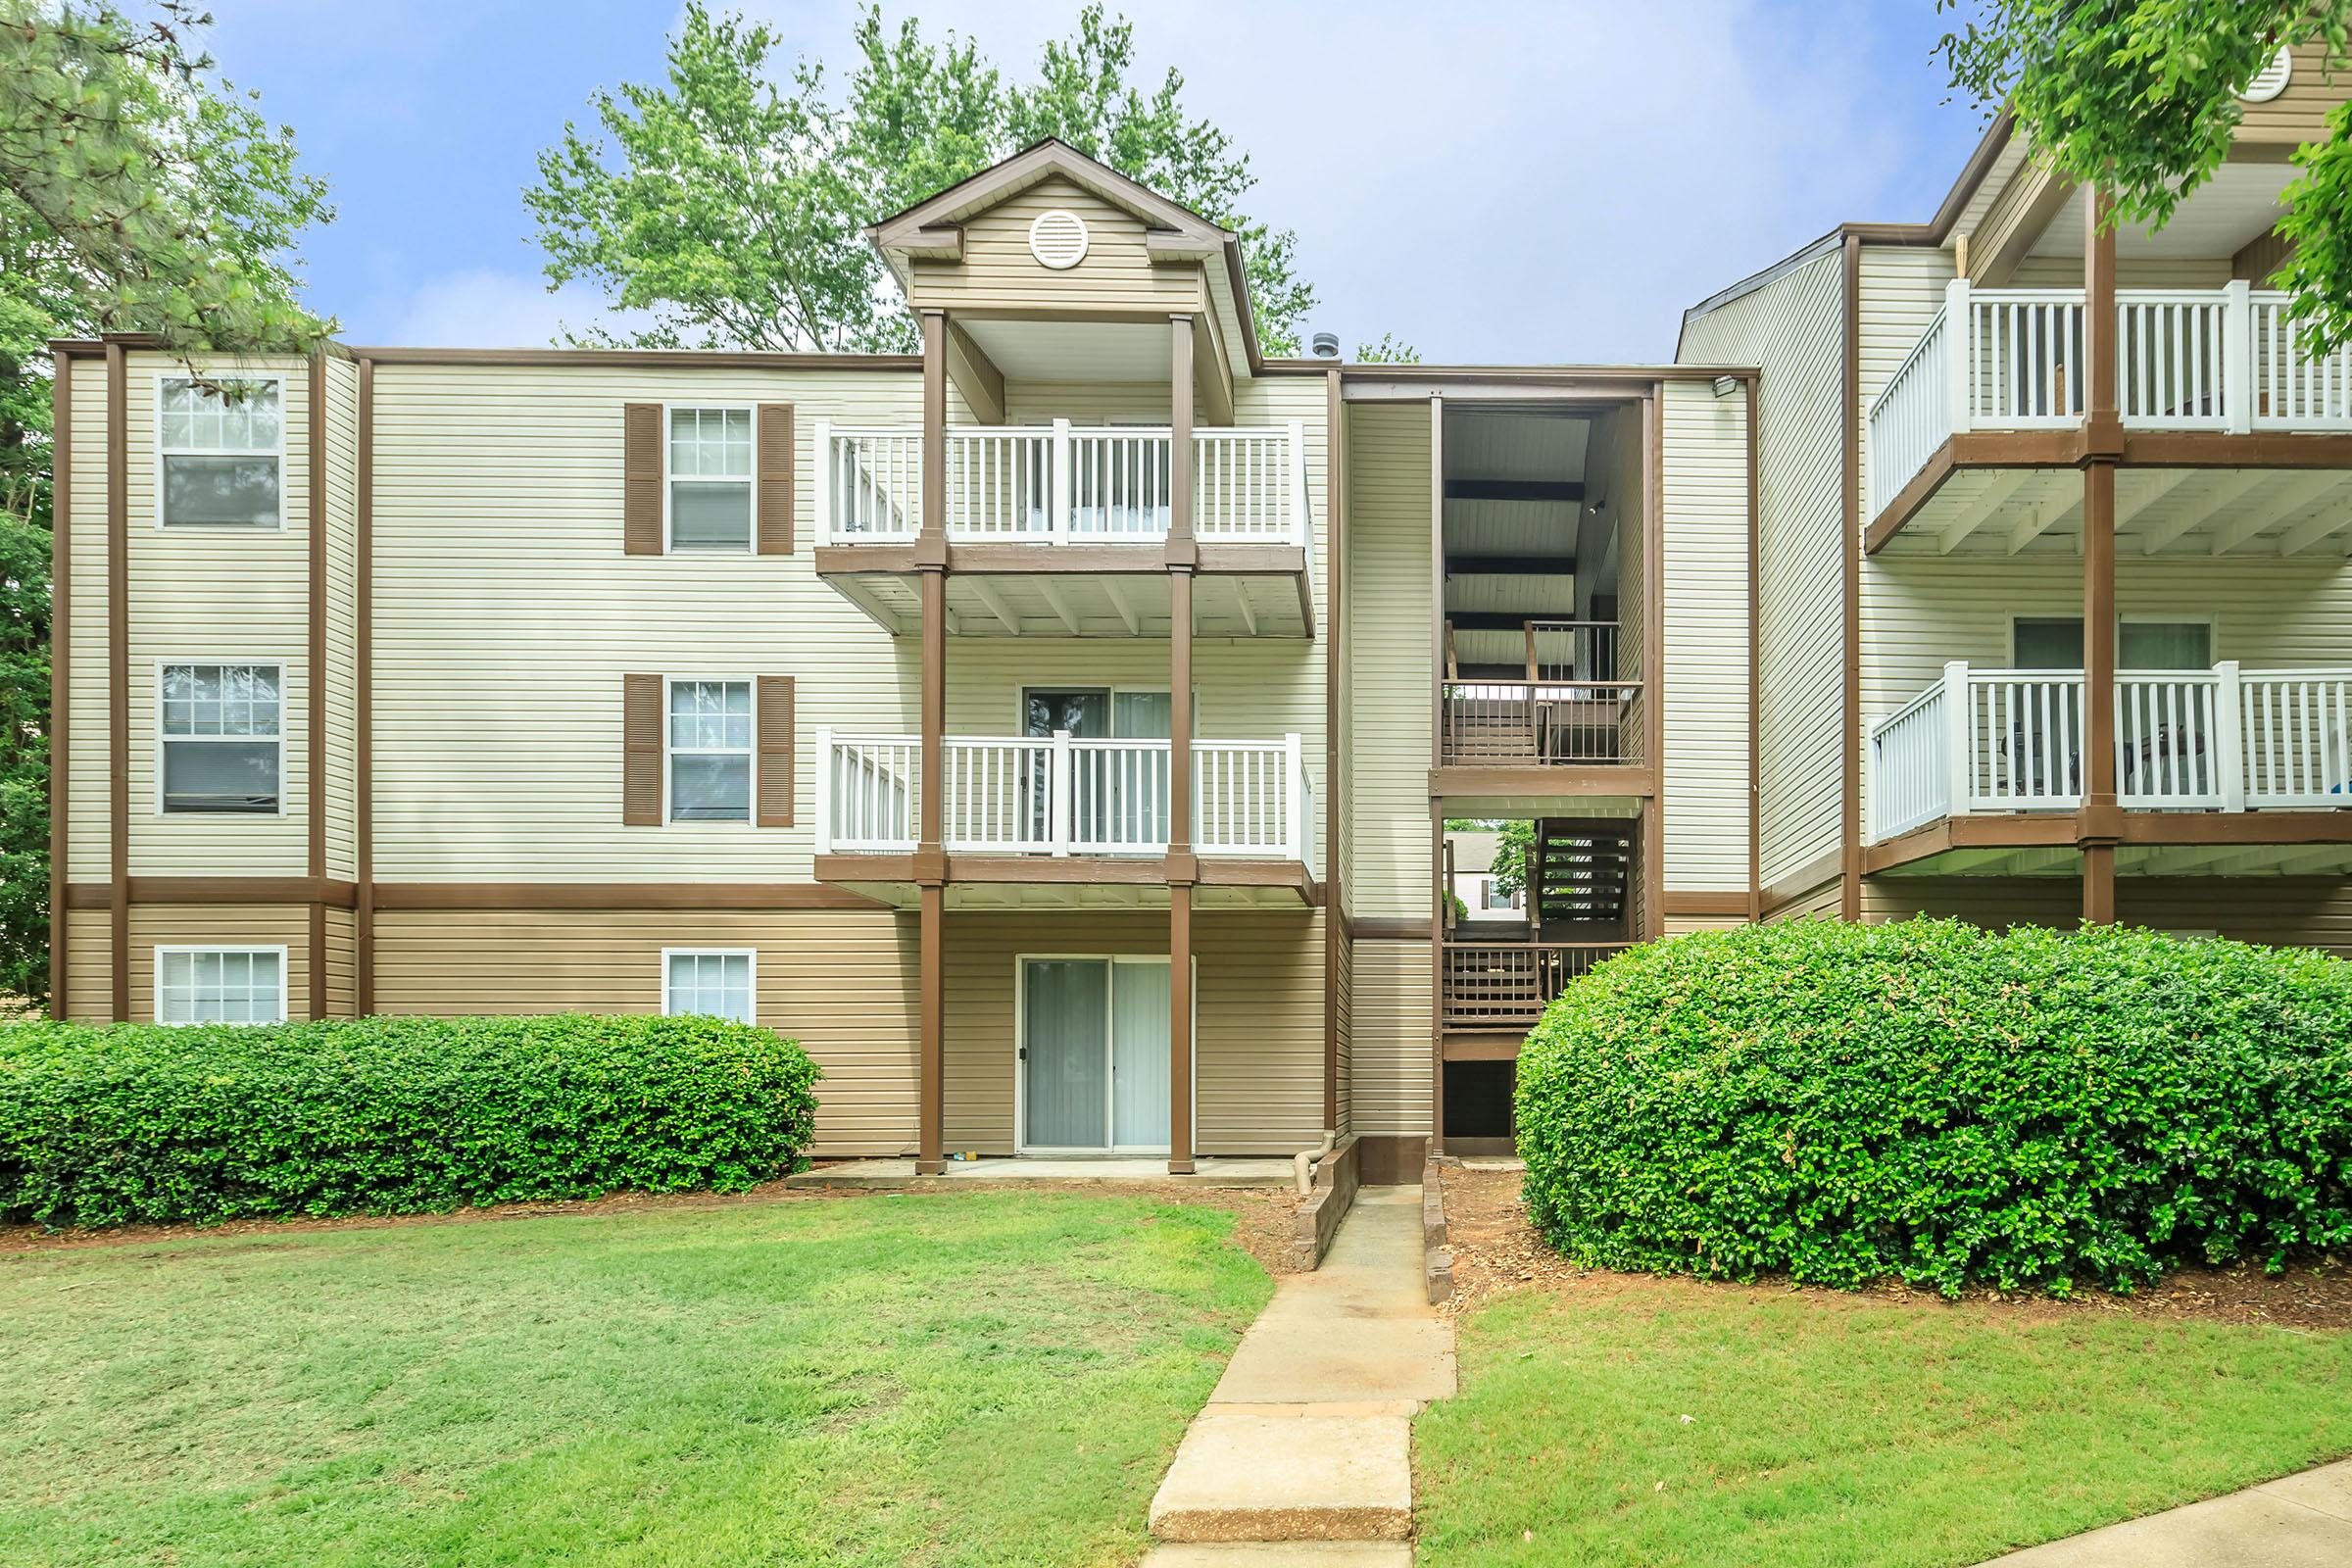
[(751, 955), (285, 702), (751, 538), (155, 1000), (1021, 1146), (276, 378), (750, 815)]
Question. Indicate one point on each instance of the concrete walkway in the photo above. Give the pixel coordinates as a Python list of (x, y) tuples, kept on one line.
[(2304, 1520), (1303, 1454)]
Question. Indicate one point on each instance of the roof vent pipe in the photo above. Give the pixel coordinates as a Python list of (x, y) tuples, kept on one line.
[(1327, 345)]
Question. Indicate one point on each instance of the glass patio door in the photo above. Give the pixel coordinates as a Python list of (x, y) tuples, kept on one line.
[(1094, 1054), (1116, 800)]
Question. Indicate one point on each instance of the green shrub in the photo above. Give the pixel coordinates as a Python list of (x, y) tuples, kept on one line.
[(139, 1122), (1934, 1103)]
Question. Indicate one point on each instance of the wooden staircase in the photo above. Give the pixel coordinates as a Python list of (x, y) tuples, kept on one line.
[(1579, 894)]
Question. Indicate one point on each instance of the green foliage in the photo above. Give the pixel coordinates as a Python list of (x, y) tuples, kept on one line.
[(1514, 851), (2142, 95), (137, 193), (1937, 1103), (210, 1122), (1453, 902), (728, 208), (1387, 351)]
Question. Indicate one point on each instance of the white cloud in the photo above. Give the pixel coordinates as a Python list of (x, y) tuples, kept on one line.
[(486, 308)]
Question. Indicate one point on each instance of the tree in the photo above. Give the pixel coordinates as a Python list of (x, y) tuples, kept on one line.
[(137, 193), (2142, 96), (1514, 844), (727, 209)]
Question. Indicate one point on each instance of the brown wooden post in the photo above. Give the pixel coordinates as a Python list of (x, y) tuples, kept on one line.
[(1183, 867), (930, 862), (2100, 821)]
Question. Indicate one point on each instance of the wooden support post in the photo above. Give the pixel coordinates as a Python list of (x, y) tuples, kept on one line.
[(1183, 867), (930, 862), (2100, 814)]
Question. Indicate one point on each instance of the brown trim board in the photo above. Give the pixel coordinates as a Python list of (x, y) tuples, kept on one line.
[(322, 892), (1729, 903), (61, 672), (362, 1001), (1654, 658), (777, 897), (314, 681), (1335, 563), (1850, 555), (1755, 687), (117, 680)]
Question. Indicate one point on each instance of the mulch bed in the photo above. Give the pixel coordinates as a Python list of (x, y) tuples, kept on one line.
[(1262, 1214), (1496, 1251)]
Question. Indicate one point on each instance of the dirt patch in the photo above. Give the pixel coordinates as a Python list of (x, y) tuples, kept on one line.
[(1262, 1214), (1496, 1251)]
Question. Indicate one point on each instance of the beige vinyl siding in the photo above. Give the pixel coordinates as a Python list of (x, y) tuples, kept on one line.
[(1705, 779), (2143, 271), (999, 273), (340, 681), (1392, 1010), (2300, 113), (1392, 689), (1257, 1006), (2005, 221), (225, 925), (1793, 328), (1901, 290), (341, 959), (200, 594), (1344, 1012), (840, 982), (506, 615), (1824, 902), (89, 965), (88, 853), (1919, 613), (2278, 910)]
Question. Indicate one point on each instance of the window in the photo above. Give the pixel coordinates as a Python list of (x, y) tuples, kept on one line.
[(716, 983), (2056, 643), (219, 985), (1491, 896), (223, 737), (710, 478), (220, 450), (710, 751)]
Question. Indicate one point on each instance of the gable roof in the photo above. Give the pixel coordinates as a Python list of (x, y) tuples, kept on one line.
[(933, 227)]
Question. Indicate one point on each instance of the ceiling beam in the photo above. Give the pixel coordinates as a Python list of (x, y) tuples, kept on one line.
[(1127, 612), (2289, 497), (975, 376), (995, 601), (1241, 602), (1510, 566), (857, 593), (2143, 497), (1544, 490), (2304, 535), (1060, 606), (2032, 525), (1495, 620), (1997, 495), (1212, 371), (2164, 535)]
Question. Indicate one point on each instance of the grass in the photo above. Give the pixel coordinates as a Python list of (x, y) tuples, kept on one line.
[(951, 1379), (1670, 1423)]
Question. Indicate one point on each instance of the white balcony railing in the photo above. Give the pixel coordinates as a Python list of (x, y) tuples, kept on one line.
[(2012, 359), (2011, 739), (1064, 483), (1062, 796)]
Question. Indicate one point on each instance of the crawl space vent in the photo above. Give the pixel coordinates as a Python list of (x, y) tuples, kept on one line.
[(2270, 80), (1057, 238)]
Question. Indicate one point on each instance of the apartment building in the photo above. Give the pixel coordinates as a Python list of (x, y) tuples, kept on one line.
[(1980, 435), (1055, 729)]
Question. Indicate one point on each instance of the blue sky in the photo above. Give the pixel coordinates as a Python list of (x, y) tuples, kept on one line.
[(1493, 182)]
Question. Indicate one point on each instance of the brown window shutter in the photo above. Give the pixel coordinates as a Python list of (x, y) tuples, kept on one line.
[(774, 500), (641, 479), (641, 721), (775, 782)]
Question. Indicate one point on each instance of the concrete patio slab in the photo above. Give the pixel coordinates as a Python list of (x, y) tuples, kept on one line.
[(2301, 1521)]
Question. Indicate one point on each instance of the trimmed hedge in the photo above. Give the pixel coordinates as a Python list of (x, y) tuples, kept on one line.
[(1942, 1105), (99, 1126)]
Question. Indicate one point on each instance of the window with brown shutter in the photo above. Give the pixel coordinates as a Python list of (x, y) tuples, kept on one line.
[(775, 479), (641, 479), (775, 783), (641, 727)]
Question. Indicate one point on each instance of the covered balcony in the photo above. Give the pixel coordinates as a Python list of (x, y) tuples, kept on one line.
[(1997, 382), (2264, 748), (1062, 529), (1566, 708), (1066, 811)]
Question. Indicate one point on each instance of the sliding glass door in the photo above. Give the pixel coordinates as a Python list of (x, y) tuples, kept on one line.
[(1094, 1054)]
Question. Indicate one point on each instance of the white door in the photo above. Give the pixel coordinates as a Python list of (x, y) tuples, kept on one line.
[(1094, 1054)]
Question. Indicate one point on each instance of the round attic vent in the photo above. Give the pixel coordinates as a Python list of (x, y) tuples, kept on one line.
[(2270, 80), (1057, 239)]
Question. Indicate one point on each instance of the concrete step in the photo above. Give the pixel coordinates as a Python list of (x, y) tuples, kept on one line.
[(1257, 1475), (1284, 1554)]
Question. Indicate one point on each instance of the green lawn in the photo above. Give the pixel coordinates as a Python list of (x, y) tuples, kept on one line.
[(1846, 1432), (979, 1378)]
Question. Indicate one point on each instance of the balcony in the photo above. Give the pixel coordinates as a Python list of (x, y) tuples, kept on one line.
[(1564, 711), (1061, 529), (2010, 741), (1506, 985), (1016, 810), (2225, 361)]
